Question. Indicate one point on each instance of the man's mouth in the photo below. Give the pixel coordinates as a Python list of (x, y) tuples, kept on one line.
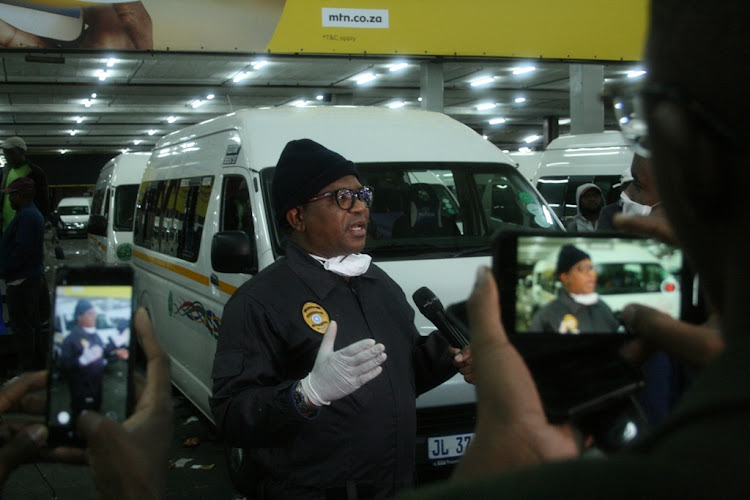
[(359, 228)]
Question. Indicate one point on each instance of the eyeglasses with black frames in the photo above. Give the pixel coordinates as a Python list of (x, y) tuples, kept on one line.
[(345, 197)]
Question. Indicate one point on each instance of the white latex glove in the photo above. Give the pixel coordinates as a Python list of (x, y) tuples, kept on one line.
[(338, 374), (90, 354)]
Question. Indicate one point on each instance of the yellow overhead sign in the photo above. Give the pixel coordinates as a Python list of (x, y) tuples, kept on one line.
[(554, 29)]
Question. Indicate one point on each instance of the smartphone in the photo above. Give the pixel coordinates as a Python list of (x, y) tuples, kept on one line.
[(90, 358), (562, 296), (43, 19)]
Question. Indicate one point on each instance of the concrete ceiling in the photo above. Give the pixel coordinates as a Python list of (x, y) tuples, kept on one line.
[(43, 95)]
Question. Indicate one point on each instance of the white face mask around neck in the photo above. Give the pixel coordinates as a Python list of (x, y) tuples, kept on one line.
[(585, 299), (354, 264)]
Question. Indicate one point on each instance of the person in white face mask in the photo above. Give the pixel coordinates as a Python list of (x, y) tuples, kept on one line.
[(318, 362), (577, 308), (639, 197)]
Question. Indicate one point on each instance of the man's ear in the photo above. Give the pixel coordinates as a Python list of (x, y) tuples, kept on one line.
[(296, 219)]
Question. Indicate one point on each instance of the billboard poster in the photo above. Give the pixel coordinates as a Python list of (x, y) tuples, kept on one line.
[(548, 29)]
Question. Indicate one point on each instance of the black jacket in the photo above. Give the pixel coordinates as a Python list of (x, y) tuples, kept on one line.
[(22, 245), (564, 315), (265, 346), (85, 381)]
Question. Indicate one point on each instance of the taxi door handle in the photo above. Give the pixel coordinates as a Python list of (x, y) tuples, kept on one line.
[(214, 279)]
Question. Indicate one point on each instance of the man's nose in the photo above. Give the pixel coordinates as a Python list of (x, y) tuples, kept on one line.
[(358, 206)]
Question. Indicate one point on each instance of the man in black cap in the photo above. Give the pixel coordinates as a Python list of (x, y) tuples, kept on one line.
[(14, 151), (21, 257), (577, 308), (18, 166), (301, 376)]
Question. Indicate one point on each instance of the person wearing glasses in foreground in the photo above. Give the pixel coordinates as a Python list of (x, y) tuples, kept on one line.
[(698, 127), (318, 362)]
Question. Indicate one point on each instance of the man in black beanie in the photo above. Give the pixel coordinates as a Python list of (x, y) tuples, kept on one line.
[(83, 360), (323, 413), (577, 308)]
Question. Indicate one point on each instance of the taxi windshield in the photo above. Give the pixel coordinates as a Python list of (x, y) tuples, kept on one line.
[(444, 209)]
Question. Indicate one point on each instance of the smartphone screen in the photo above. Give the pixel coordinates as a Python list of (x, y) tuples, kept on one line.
[(91, 347), (578, 284), (562, 297)]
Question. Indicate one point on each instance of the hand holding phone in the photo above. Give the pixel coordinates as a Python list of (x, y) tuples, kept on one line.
[(512, 428), (562, 299), (127, 460), (88, 370), (20, 445)]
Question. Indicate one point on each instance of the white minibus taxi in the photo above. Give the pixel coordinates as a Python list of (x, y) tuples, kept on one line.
[(572, 160), (110, 228), (440, 194), (72, 216)]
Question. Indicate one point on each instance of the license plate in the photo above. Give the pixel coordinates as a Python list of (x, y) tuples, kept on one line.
[(448, 446)]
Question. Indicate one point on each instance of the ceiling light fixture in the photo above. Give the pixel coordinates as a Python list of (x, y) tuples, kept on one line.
[(171, 119), (79, 119), (196, 104), (259, 64), (93, 96), (45, 59), (398, 66), (210, 96), (563, 121), (397, 104), (367, 77), (519, 100), (240, 76), (87, 103), (73, 132), (636, 73), (523, 69), (299, 103), (496, 121), (484, 80), (125, 150), (111, 62), (524, 149), (485, 106), (532, 138), (319, 97), (63, 151), (103, 74), (151, 132), (137, 141), (484, 137)]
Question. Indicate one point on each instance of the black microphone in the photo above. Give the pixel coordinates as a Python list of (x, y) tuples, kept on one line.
[(430, 306)]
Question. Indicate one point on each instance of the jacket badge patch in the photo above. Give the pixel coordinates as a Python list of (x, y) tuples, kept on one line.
[(569, 324), (315, 316)]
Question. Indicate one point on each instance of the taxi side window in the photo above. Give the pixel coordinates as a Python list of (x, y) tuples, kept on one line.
[(170, 216), (236, 211)]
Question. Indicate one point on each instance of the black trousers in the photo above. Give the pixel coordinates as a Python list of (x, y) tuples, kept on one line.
[(23, 310)]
